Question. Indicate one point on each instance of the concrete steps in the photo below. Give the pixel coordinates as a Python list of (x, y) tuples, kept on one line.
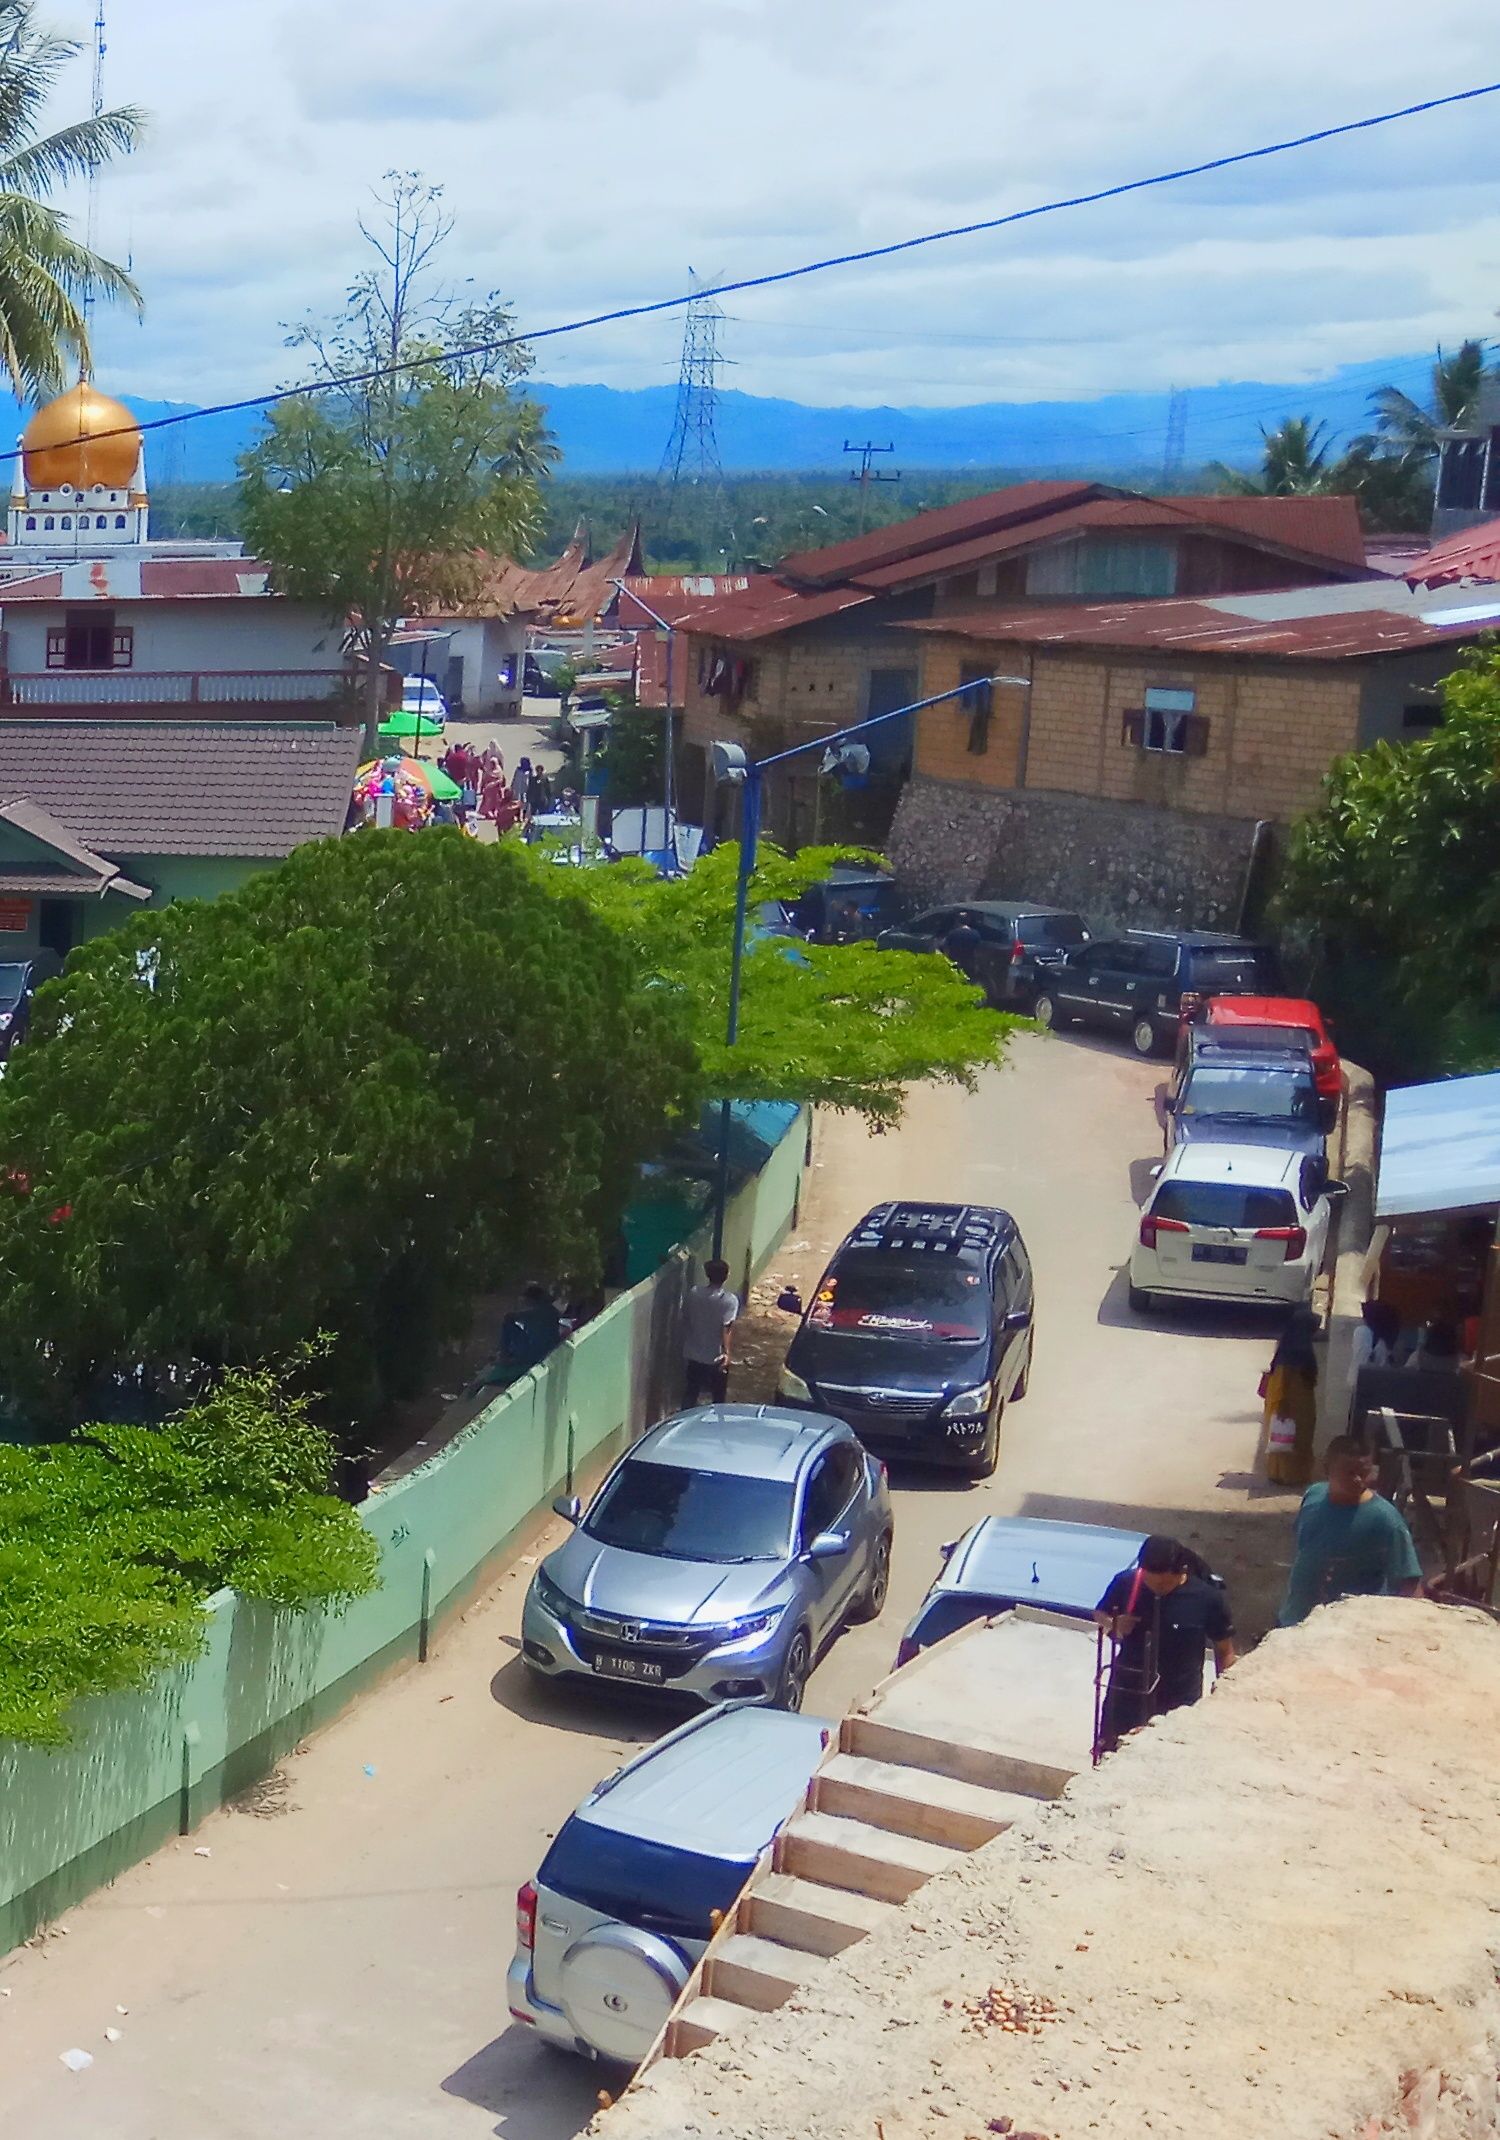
[(855, 1854), (701, 2021), (760, 1973), (806, 1915), (925, 1803)]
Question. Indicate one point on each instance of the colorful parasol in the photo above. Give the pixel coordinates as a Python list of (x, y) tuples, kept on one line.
[(408, 785), (404, 723)]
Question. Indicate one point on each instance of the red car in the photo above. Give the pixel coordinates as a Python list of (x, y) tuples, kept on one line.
[(1268, 1015)]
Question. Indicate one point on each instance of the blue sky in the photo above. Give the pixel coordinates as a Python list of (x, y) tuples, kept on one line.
[(592, 149)]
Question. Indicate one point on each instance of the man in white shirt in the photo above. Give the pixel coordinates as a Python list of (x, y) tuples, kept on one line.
[(709, 1314)]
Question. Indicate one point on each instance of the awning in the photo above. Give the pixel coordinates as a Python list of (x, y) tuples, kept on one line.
[(1440, 1148)]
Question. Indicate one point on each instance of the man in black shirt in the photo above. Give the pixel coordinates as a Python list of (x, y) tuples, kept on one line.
[(1162, 1613)]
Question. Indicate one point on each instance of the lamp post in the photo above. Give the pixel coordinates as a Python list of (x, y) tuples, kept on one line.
[(730, 764), (669, 798)]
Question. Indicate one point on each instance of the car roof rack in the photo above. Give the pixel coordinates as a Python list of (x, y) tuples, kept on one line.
[(938, 1229)]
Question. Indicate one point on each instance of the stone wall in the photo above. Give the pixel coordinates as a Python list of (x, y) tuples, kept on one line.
[(1119, 863)]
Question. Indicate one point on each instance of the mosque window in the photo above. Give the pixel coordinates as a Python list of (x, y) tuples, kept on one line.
[(119, 520), (31, 523), (67, 521), (48, 524)]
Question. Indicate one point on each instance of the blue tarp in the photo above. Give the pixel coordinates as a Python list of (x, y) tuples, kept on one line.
[(1440, 1148)]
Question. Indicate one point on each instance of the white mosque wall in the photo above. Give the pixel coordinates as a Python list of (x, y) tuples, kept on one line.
[(199, 635)]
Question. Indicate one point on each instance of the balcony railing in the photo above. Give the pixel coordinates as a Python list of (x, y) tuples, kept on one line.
[(173, 687)]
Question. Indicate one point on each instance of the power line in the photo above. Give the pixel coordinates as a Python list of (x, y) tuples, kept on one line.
[(810, 267)]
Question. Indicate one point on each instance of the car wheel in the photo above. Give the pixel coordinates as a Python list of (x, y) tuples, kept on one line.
[(795, 1672), (982, 1464), (1141, 1302), (1143, 1036), (1046, 1013), (871, 1601)]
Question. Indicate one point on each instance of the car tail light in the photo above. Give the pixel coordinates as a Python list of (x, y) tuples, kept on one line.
[(526, 1916), (1189, 1002), (1295, 1238), (1017, 952), (1151, 1227), (906, 1652)]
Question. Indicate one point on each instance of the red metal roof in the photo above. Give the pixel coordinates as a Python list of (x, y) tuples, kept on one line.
[(945, 525), (769, 605), (675, 596), (1204, 628), (573, 591), (1472, 554)]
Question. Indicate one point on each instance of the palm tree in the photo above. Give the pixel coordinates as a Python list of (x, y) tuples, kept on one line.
[(1294, 464), (46, 274), (1405, 427)]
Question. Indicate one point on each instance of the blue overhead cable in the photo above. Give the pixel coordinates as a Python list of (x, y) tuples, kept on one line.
[(809, 267)]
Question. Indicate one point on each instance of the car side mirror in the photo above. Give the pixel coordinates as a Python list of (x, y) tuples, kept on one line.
[(828, 1545), (569, 1507), (1017, 1319), (789, 1300), (1335, 1190), (1155, 1169)]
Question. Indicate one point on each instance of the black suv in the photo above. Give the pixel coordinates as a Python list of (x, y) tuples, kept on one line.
[(921, 1330), (1147, 981), (1008, 947), (847, 906)]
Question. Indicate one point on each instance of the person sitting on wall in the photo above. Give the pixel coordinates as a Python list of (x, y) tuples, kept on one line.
[(526, 1338)]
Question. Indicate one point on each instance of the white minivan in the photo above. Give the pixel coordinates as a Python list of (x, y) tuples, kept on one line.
[(1233, 1222)]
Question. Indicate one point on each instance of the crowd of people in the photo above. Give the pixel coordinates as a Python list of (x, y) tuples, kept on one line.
[(508, 802)]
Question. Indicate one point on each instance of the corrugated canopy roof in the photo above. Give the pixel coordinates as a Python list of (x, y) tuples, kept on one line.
[(1440, 1148)]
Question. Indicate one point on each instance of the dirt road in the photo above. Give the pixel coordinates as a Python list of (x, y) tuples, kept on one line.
[(335, 1967)]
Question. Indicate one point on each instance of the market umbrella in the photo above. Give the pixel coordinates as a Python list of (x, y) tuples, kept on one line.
[(443, 789), (407, 781), (405, 723)]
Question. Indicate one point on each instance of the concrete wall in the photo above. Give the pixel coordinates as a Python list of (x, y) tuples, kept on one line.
[(204, 634), (145, 1766), (1120, 864)]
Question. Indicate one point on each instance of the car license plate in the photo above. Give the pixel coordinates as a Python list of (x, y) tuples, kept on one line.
[(644, 1669), (1211, 1252)]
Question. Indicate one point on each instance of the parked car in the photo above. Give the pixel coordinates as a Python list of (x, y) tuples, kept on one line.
[(1019, 1560), (719, 1558), (1143, 982), (922, 1329), (1245, 1096), (419, 694), (850, 905), (1233, 1222), (18, 978), (1007, 946), (1271, 1021), (609, 1932)]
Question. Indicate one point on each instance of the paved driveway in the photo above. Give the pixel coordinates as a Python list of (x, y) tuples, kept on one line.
[(335, 1967)]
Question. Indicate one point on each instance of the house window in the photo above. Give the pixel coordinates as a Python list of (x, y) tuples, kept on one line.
[(1093, 566), (978, 704), (1421, 719), (90, 639), (1167, 724)]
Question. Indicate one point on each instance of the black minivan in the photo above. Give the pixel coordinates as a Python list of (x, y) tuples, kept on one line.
[(1146, 981), (920, 1332)]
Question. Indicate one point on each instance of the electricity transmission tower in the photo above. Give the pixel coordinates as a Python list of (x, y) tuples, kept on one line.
[(692, 455), (1174, 452)]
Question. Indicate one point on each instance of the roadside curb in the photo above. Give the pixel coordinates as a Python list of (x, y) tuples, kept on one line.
[(1359, 1146)]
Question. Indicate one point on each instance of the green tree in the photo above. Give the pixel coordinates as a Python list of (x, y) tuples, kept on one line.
[(1391, 888), (633, 754), (46, 274), (1406, 427), (387, 496), (1393, 488), (843, 1025), (375, 1082), (111, 1544)]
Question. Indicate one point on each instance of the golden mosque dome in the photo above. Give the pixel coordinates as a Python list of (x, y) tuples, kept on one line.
[(82, 438)]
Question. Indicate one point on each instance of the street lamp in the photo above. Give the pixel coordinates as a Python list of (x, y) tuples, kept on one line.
[(731, 765), (669, 799)]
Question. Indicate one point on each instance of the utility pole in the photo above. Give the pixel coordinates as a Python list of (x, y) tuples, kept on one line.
[(865, 475)]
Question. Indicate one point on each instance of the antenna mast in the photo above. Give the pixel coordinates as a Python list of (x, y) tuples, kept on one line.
[(92, 224)]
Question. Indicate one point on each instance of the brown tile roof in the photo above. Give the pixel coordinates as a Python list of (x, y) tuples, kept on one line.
[(250, 788), (77, 871), (1203, 628)]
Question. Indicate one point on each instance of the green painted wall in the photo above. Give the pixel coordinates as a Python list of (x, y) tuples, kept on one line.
[(143, 1766)]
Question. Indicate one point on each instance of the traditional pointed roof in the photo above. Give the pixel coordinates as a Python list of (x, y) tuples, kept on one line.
[(573, 592)]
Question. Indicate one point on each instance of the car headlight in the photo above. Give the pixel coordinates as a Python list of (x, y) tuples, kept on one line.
[(7, 1020), (755, 1623), (549, 1597), (974, 1400), (793, 1388)]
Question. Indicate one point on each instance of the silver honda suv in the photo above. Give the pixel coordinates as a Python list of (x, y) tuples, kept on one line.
[(719, 1558)]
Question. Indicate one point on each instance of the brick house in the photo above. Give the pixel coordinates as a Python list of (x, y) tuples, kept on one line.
[(1129, 776), (809, 647)]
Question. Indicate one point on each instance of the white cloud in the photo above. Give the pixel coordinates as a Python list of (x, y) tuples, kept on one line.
[(591, 150)]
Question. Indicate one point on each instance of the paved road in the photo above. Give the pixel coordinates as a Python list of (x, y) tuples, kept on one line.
[(335, 1966)]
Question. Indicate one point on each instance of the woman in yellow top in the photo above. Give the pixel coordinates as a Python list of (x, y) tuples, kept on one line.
[(1290, 1390)]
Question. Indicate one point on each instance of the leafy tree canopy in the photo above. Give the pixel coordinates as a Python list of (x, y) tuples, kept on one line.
[(388, 496), (1393, 885), (843, 1025), (376, 1081), (111, 1544)]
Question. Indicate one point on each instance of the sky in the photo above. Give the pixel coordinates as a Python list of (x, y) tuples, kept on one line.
[(592, 151)]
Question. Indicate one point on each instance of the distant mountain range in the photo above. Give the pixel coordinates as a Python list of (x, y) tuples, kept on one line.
[(605, 431)]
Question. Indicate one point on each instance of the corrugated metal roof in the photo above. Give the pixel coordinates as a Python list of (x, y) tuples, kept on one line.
[(1472, 554), (769, 605), (575, 590), (1440, 1148), (945, 525), (1208, 628), (250, 788), (128, 578)]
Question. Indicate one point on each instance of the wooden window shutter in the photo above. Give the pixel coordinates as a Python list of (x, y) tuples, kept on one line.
[(1195, 735), (1133, 727), (57, 648)]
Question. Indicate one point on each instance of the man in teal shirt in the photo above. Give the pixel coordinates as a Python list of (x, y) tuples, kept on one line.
[(1349, 1541)]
